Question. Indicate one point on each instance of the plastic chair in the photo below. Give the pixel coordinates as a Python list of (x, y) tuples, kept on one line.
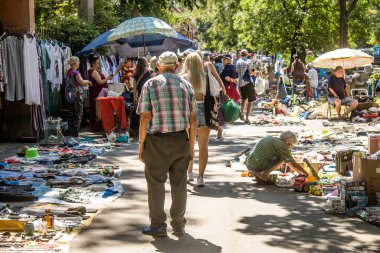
[(330, 107)]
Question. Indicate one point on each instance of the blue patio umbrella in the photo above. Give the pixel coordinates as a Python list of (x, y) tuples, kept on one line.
[(152, 40)]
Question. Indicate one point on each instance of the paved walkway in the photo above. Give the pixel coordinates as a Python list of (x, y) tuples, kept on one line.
[(231, 214)]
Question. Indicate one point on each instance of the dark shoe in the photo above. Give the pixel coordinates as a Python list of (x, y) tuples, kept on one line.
[(178, 231), (157, 232)]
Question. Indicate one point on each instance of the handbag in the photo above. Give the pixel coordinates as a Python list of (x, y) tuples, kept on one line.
[(231, 111), (214, 84), (232, 92), (260, 86), (210, 104), (309, 92)]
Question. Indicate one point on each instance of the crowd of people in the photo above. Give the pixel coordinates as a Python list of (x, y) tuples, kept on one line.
[(177, 104)]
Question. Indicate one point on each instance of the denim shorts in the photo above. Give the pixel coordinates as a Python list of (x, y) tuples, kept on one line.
[(345, 101), (201, 119)]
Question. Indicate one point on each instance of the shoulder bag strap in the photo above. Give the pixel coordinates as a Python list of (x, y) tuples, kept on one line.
[(208, 93)]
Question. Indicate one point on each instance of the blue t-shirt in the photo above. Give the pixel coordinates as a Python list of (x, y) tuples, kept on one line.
[(228, 70)]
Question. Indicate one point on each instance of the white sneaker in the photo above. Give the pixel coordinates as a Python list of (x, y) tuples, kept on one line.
[(190, 177), (200, 182)]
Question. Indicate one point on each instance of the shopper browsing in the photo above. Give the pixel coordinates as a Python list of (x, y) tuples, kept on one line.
[(167, 111)]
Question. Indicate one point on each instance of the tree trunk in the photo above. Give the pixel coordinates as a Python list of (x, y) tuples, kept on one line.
[(343, 24), (135, 11), (86, 9)]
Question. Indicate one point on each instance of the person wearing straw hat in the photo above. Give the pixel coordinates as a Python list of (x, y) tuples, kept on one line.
[(167, 109), (338, 94)]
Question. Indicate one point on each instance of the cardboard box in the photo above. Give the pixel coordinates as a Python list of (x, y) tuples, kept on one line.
[(373, 143), (369, 171)]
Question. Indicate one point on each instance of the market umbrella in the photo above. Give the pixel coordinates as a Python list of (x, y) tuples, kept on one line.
[(99, 41), (132, 46), (141, 27), (345, 57), (169, 44)]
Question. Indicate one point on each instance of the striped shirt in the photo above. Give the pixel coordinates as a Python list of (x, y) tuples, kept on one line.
[(170, 99), (241, 66), (266, 151)]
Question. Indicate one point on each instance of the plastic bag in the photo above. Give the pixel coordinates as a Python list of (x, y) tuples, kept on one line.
[(231, 111)]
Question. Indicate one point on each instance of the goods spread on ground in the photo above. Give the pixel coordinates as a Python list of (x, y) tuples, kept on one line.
[(343, 164), (48, 194)]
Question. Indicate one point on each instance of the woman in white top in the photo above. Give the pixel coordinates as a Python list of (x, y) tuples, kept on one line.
[(193, 71)]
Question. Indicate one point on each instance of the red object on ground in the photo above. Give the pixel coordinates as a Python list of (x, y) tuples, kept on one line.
[(108, 106), (370, 116)]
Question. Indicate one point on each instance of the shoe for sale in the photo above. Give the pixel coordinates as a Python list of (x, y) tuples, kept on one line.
[(190, 177), (200, 182), (157, 231), (178, 231)]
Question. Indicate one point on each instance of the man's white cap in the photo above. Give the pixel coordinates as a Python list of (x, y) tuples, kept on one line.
[(167, 59)]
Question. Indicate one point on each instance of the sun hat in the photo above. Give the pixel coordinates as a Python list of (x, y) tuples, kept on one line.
[(168, 59), (244, 52), (31, 153)]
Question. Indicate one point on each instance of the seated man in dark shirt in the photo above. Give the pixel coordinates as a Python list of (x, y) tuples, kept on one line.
[(338, 94)]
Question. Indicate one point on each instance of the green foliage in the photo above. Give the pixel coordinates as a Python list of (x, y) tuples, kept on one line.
[(106, 14), (285, 26), (72, 31), (45, 10)]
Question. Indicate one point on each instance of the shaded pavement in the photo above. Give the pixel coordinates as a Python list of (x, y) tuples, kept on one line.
[(231, 214)]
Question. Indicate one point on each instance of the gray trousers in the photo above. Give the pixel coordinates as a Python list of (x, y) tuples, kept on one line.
[(13, 58), (167, 154)]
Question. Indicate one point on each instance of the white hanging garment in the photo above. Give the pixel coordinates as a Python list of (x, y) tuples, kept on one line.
[(66, 54), (56, 67), (31, 72)]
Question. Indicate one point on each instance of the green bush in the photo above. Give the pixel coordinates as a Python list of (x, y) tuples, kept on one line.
[(74, 32)]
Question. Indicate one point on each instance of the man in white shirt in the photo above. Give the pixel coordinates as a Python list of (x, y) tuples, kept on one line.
[(313, 79)]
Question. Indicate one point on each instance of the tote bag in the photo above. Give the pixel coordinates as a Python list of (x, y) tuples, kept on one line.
[(211, 111)]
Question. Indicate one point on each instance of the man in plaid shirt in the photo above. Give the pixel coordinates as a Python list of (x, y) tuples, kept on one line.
[(167, 134)]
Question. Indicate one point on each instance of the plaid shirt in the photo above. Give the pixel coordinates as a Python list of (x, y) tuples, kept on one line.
[(171, 99), (267, 150), (241, 66)]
